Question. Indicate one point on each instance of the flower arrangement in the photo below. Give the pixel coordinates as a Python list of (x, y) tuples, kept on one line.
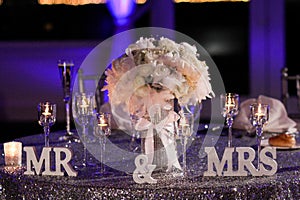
[(144, 83), (155, 71)]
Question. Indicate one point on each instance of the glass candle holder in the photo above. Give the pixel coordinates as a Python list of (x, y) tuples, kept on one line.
[(186, 123), (103, 130), (259, 117), (46, 118), (83, 105), (13, 153), (229, 109)]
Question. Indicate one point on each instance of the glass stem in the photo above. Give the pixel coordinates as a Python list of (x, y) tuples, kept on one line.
[(67, 105), (84, 147), (102, 144), (184, 156), (133, 138), (46, 131), (259, 134), (229, 123)]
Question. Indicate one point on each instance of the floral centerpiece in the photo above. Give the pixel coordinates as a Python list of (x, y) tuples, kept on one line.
[(145, 81)]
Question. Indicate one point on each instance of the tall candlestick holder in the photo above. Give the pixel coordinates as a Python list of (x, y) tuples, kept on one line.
[(103, 130), (259, 117), (83, 113), (230, 108)]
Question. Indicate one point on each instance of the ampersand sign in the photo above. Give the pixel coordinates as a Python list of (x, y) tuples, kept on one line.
[(143, 171)]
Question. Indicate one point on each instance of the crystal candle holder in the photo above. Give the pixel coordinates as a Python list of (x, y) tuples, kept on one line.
[(230, 108)]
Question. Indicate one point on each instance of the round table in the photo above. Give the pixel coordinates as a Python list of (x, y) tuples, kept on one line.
[(89, 184)]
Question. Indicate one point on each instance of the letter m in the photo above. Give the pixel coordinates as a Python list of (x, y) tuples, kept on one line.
[(31, 158), (213, 160)]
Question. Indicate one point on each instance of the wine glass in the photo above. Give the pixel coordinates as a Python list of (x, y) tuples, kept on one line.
[(102, 131), (66, 72), (185, 131), (230, 108), (46, 118), (259, 117), (83, 112)]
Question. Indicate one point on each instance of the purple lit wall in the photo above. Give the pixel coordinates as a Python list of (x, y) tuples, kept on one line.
[(29, 74), (267, 46), (28, 71)]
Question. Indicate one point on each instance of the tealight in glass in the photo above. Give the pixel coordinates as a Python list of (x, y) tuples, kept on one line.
[(13, 153), (103, 130), (83, 105), (230, 108), (259, 117), (46, 118)]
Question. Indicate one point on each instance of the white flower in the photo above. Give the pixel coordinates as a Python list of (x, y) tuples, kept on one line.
[(145, 69), (143, 43), (189, 49), (138, 81), (142, 91), (182, 90), (161, 70), (159, 65), (168, 44), (171, 82)]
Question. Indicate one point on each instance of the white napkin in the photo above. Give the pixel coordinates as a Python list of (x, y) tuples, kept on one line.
[(278, 119)]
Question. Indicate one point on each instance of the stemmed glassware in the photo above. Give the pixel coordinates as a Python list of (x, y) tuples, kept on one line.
[(259, 117), (102, 131), (230, 108), (185, 130), (46, 118), (66, 72), (83, 112), (135, 137)]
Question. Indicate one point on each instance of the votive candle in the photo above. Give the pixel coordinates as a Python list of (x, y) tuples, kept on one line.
[(13, 153)]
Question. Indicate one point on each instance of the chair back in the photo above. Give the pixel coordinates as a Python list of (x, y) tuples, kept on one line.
[(287, 80)]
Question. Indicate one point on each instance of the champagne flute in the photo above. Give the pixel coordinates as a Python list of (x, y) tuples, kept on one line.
[(103, 130), (46, 118), (186, 123), (66, 72), (230, 108), (259, 117), (83, 111)]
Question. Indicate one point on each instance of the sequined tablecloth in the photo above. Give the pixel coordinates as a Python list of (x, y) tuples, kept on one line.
[(89, 184)]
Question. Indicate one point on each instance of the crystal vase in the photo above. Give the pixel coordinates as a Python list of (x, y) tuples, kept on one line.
[(158, 141)]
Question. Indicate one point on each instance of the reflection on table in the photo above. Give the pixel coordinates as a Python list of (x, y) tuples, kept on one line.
[(89, 184)]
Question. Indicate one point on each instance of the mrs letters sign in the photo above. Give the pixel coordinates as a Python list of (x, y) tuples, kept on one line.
[(62, 158), (215, 167), (246, 157)]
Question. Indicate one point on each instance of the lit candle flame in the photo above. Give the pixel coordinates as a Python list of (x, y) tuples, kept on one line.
[(229, 101), (230, 104), (259, 112), (46, 112), (84, 102), (102, 121)]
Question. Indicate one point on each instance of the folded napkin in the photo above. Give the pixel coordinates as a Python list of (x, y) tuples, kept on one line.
[(278, 119)]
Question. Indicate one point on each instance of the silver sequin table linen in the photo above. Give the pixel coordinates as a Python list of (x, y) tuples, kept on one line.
[(285, 184)]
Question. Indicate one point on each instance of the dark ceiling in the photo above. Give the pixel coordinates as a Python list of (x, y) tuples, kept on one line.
[(225, 24)]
